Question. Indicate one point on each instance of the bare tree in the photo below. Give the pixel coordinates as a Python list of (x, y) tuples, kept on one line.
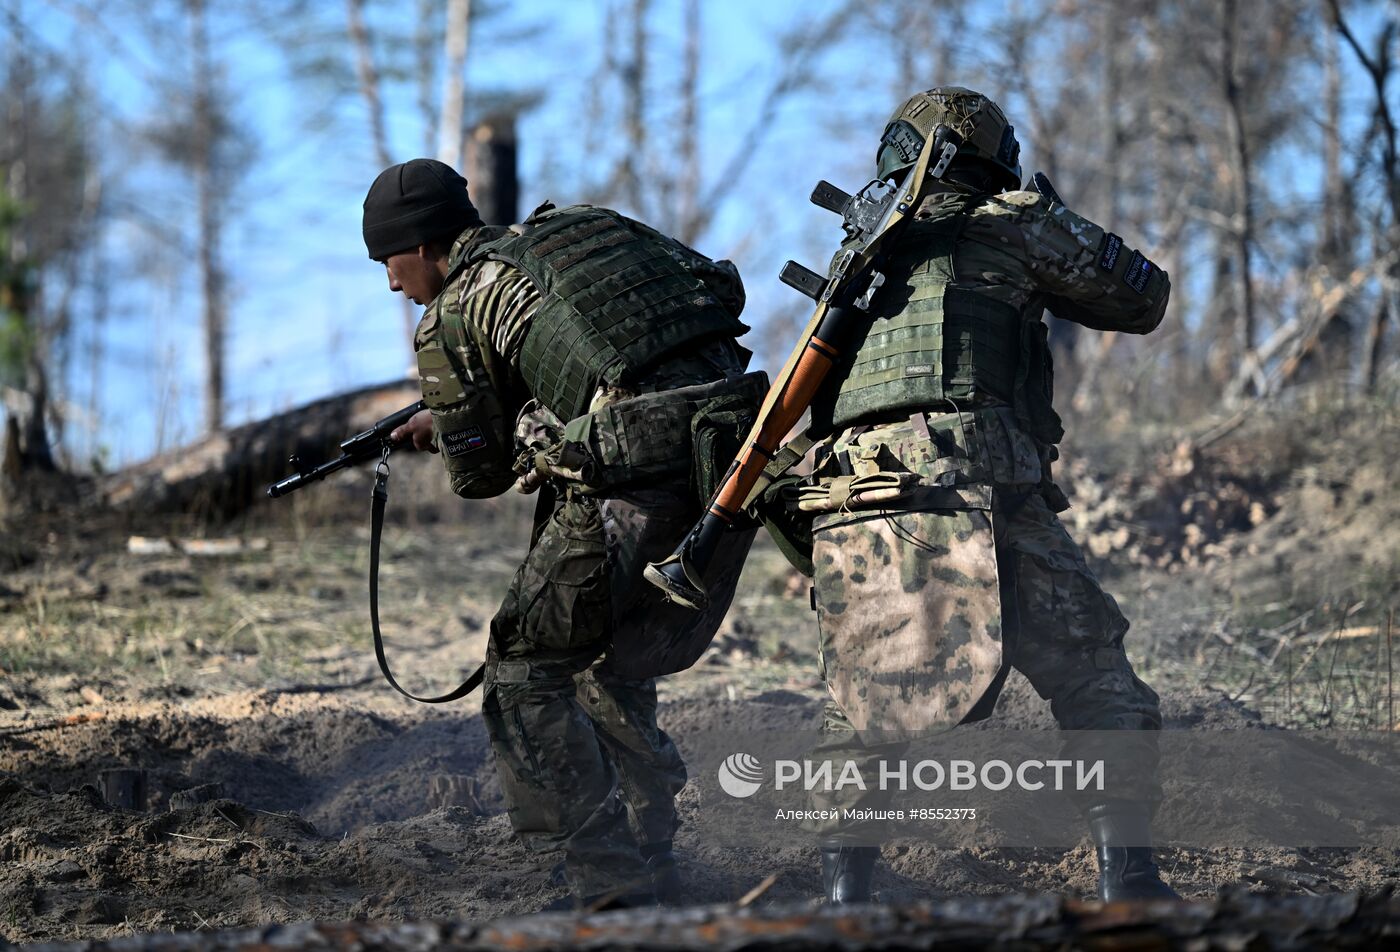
[(48, 213), (427, 29), (450, 131), (209, 188), (688, 149), (1241, 174), (368, 75), (1378, 68)]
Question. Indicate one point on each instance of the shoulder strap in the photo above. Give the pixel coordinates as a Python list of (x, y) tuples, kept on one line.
[(376, 528), (783, 460)]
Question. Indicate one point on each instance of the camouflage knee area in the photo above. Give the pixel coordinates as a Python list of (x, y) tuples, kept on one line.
[(649, 767), (1098, 691), (551, 768), (840, 743), (559, 599), (1109, 714), (624, 709)]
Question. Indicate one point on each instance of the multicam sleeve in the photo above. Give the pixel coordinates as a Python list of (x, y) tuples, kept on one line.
[(470, 424), (1089, 274), (721, 277)]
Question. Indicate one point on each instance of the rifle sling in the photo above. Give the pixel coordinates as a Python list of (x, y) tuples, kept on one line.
[(785, 459), (376, 528)]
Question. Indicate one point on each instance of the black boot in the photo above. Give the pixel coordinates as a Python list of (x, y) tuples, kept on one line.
[(665, 876), (1122, 835), (847, 871)]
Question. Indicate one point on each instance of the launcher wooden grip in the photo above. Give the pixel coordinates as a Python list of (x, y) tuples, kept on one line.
[(784, 409)]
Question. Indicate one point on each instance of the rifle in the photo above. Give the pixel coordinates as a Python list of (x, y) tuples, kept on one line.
[(872, 218), (361, 447), (364, 446)]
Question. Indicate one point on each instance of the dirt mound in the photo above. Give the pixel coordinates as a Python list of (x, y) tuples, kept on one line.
[(1300, 479), (338, 765)]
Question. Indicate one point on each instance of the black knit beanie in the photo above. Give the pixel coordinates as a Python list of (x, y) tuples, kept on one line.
[(414, 202)]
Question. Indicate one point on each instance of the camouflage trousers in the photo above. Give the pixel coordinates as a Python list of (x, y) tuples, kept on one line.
[(584, 768), (1058, 627)]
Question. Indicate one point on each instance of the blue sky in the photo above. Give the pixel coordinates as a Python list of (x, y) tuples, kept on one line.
[(310, 315)]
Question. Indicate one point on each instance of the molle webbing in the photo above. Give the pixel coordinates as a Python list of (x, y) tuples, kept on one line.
[(929, 343), (613, 305)]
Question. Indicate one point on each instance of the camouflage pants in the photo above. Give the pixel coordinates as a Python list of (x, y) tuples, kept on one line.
[(584, 768), (1059, 628)]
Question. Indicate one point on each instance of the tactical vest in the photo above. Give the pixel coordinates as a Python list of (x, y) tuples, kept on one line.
[(933, 345), (614, 304)]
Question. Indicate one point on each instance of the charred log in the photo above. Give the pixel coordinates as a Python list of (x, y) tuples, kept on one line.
[(223, 474), (1234, 921)]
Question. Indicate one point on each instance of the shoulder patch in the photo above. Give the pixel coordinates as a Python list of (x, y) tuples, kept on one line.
[(1138, 273), (1112, 244)]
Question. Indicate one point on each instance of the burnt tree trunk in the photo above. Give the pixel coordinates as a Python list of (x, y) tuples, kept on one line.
[(224, 473), (495, 186)]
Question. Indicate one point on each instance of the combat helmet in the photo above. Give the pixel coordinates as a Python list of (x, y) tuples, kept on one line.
[(987, 136)]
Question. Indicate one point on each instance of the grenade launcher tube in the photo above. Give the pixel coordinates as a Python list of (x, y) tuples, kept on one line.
[(681, 575)]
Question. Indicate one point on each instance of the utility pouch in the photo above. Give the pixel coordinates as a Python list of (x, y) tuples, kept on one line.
[(717, 433), (648, 437), (790, 528), (854, 492), (1034, 395)]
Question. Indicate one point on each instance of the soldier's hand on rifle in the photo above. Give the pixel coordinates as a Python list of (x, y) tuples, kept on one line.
[(416, 433)]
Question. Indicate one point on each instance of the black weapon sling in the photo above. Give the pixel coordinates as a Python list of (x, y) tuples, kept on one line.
[(376, 529)]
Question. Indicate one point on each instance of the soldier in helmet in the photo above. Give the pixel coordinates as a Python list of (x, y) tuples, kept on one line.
[(584, 355), (924, 603)]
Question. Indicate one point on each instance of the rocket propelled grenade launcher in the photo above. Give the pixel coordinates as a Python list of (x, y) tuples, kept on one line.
[(362, 447), (871, 218)]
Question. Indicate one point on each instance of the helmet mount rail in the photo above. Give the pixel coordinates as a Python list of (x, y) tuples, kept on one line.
[(945, 143)]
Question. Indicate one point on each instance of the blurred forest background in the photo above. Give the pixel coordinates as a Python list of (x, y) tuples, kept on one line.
[(180, 181)]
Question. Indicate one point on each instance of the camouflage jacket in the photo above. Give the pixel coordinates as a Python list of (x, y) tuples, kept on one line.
[(468, 345), (1018, 244), (1022, 250)]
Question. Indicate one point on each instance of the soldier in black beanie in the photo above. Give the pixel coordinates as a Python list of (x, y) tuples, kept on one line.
[(584, 317), (413, 213)]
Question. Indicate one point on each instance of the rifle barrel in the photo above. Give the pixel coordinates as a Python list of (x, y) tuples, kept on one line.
[(362, 446)]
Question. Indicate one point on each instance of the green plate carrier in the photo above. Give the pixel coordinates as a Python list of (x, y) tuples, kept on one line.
[(614, 304)]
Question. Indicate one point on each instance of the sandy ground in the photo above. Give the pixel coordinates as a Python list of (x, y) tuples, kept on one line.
[(337, 799)]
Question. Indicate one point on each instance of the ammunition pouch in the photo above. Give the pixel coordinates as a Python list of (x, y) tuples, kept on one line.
[(923, 463), (1034, 395), (646, 438)]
